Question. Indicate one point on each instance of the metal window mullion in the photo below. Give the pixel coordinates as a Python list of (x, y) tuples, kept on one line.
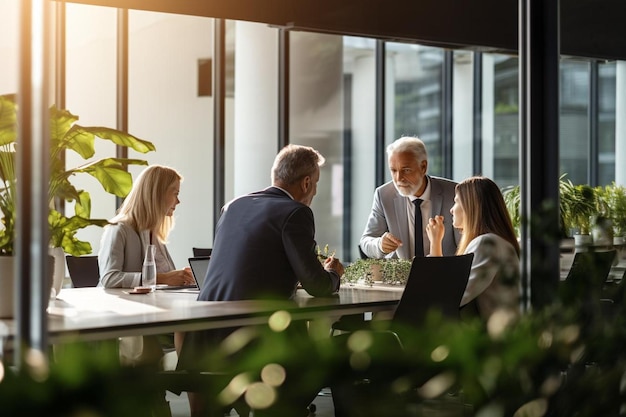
[(380, 112), (122, 85), (594, 146), (32, 232), (60, 74), (539, 149), (477, 109), (283, 88), (219, 135), (446, 112)]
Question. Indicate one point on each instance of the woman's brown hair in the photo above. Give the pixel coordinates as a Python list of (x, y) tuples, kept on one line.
[(484, 212)]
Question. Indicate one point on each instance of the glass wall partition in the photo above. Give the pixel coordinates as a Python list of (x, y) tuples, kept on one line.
[(171, 104), (332, 107), (90, 93)]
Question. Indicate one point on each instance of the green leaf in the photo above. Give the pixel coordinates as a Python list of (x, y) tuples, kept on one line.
[(80, 141), (111, 174), (63, 189), (75, 247), (120, 138), (63, 231), (8, 119), (82, 207), (61, 122)]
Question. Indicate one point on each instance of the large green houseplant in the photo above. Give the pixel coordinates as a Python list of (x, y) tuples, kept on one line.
[(577, 206), (65, 135)]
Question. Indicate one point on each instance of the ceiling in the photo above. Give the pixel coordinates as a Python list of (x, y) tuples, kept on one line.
[(589, 28)]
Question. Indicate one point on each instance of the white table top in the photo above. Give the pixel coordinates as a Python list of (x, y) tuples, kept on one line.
[(98, 313)]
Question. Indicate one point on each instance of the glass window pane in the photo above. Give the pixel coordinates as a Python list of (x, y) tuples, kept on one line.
[(416, 75), (317, 120), (500, 119), (606, 122), (574, 120), (359, 74)]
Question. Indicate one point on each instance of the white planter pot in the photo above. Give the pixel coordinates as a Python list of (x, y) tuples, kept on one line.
[(58, 272), (582, 240), (7, 280)]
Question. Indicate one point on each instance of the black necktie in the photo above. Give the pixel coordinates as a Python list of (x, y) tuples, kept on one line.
[(419, 234)]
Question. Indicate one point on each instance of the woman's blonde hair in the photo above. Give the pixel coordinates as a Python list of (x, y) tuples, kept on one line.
[(484, 212), (145, 208)]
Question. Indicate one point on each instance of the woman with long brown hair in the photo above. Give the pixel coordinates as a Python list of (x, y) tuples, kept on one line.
[(480, 213)]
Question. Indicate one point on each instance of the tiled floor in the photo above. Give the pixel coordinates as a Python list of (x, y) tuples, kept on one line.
[(323, 404)]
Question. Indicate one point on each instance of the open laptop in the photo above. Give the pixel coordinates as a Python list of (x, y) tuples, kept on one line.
[(199, 265)]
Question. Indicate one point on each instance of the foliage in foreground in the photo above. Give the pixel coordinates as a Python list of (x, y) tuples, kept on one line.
[(549, 363)]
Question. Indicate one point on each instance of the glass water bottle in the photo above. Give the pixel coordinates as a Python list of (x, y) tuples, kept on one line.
[(148, 272)]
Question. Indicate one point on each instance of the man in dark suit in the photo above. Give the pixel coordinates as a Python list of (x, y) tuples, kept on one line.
[(265, 241), (390, 229), (264, 247)]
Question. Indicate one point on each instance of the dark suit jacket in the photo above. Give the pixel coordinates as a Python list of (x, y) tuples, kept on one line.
[(389, 214), (264, 245)]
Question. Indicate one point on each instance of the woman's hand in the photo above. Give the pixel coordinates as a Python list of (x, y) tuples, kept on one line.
[(176, 277), (435, 231)]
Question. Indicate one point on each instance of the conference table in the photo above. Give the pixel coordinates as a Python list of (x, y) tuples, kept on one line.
[(88, 314)]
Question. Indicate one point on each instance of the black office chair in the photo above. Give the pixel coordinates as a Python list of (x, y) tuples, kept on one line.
[(202, 252), (435, 286), (586, 277), (362, 254), (84, 270)]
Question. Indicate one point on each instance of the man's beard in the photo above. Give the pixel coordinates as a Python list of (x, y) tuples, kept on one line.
[(407, 191)]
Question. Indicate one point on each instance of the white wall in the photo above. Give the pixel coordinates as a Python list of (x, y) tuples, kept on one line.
[(9, 11)]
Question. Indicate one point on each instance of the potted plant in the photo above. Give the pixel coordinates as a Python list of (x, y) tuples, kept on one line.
[(65, 135), (512, 199), (614, 197), (578, 204), (367, 271)]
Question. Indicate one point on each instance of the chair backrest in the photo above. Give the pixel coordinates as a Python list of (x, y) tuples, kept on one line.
[(587, 275), (434, 283), (84, 271), (197, 252)]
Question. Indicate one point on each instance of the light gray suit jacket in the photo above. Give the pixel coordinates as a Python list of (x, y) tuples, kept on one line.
[(389, 214), (121, 255)]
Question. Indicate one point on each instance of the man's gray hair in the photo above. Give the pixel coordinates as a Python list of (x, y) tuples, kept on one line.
[(410, 144), (295, 162)]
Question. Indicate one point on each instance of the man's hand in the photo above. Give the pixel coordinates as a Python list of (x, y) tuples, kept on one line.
[(389, 243), (332, 263)]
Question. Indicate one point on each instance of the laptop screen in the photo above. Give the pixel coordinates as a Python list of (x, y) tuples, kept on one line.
[(199, 266)]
